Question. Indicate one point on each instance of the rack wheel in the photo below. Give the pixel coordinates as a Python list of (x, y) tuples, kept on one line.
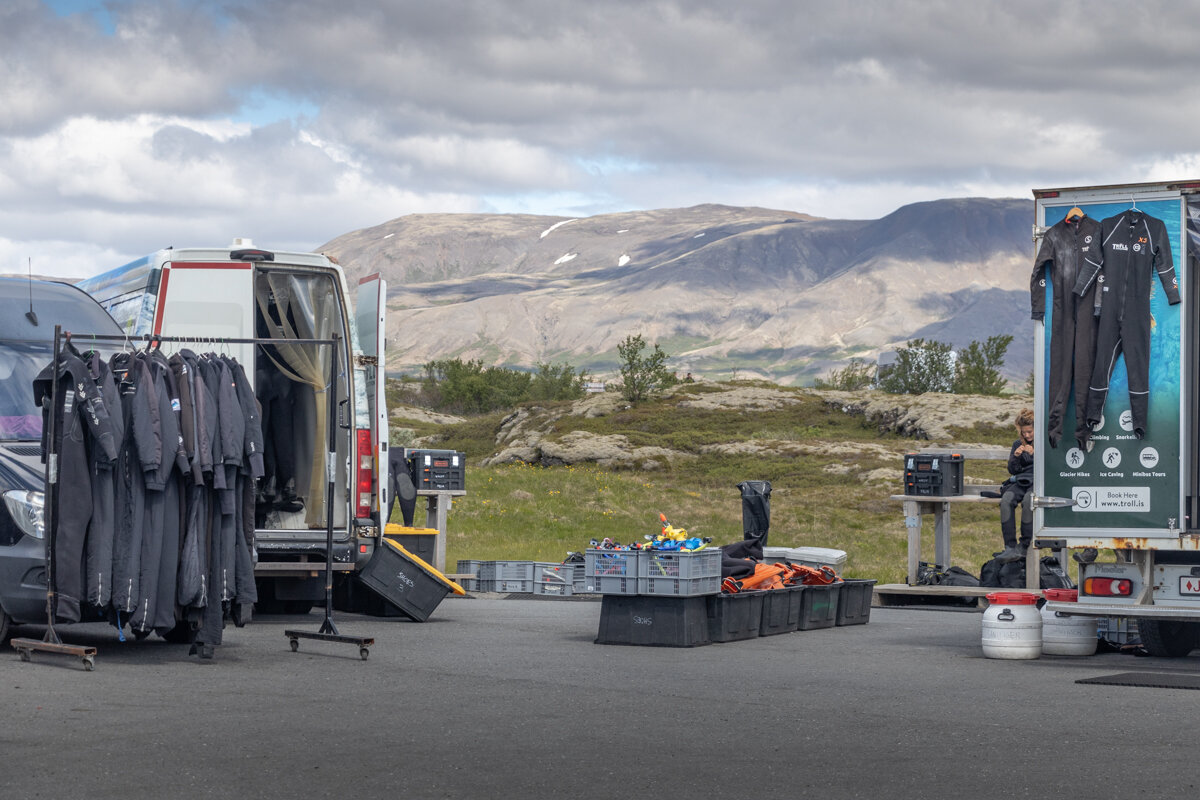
[(89, 663), (363, 652), (26, 655), (294, 644)]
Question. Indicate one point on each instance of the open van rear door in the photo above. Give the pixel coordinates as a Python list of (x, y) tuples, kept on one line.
[(370, 313)]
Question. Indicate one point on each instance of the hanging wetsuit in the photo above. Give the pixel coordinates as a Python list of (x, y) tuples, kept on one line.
[(190, 582), (251, 470), (1136, 248), (104, 490), (82, 432), (130, 506), (1069, 248)]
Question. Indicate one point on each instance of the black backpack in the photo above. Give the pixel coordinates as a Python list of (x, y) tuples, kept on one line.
[(1011, 575), (934, 575)]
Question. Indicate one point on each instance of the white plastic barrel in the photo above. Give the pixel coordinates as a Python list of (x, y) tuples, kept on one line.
[(1064, 634), (1012, 626)]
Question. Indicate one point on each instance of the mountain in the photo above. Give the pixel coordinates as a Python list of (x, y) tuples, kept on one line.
[(751, 291)]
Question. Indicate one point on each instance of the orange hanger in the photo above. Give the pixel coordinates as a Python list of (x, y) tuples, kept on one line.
[(1076, 211)]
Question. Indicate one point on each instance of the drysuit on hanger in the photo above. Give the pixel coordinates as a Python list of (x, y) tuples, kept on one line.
[(82, 431), (1136, 248), (1069, 249)]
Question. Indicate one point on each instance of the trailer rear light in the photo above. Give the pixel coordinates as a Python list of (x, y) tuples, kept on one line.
[(364, 473), (1107, 587)]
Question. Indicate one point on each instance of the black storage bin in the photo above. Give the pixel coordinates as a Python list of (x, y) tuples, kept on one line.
[(653, 620), (732, 617), (933, 475), (421, 542), (819, 605), (437, 470), (854, 605), (395, 575), (781, 610)]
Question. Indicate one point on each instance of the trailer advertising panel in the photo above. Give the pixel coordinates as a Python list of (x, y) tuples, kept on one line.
[(1110, 349)]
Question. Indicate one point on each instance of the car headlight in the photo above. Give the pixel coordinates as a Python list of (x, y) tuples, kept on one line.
[(27, 510)]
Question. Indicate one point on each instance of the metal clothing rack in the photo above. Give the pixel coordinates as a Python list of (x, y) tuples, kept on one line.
[(51, 642)]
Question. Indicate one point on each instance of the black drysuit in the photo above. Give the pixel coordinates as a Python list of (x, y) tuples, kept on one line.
[(83, 433), (131, 488), (1136, 248), (104, 491), (1069, 249), (193, 561)]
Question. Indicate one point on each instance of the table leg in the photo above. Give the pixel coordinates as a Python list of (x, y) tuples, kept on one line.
[(912, 521), (941, 534)]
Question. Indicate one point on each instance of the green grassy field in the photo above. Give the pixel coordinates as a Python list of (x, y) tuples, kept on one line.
[(831, 487)]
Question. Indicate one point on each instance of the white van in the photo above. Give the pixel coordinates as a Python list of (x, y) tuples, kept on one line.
[(242, 292)]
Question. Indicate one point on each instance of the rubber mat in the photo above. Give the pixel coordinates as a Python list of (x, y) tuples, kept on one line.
[(1156, 680)]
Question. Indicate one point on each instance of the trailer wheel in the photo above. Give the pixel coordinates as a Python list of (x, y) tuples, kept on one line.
[(1168, 638)]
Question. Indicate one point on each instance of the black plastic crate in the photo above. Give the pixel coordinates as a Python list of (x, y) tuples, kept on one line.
[(421, 542), (819, 606), (732, 617), (438, 470), (933, 475), (781, 610), (395, 575), (854, 604), (653, 621)]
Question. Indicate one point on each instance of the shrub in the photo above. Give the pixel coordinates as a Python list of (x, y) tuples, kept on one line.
[(641, 375)]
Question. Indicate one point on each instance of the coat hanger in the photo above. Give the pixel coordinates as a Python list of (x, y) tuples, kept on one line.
[(1075, 213)]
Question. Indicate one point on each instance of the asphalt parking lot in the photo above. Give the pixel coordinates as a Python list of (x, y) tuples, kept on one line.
[(510, 698)]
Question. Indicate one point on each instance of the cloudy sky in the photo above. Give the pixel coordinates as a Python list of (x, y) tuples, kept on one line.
[(130, 125)]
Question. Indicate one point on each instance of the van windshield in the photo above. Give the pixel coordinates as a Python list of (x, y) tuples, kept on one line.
[(20, 418)]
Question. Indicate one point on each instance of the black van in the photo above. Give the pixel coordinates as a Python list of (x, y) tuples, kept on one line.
[(29, 310)]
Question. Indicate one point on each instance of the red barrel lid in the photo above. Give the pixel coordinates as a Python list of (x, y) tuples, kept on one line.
[(1012, 598), (1062, 595)]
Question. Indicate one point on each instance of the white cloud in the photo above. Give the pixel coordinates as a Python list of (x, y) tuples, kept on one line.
[(294, 121)]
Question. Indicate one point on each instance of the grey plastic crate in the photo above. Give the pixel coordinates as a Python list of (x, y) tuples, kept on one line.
[(469, 567), (611, 584), (579, 584), (676, 574), (507, 587), (612, 571), (506, 571), (1117, 630), (553, 579)]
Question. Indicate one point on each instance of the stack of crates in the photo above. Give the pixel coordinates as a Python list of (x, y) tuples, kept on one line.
[(536, 577), (506, 577), (664, 573)]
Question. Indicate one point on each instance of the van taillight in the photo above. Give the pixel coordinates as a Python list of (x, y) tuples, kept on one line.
[(1107, 587), (364, 472)]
